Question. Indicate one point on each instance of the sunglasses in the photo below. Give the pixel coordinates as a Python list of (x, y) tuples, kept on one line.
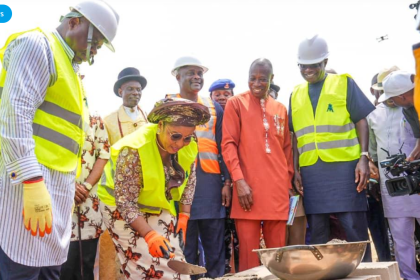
[(175, 136), (310, 66)]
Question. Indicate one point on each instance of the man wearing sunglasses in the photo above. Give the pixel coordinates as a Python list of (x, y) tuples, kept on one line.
[(328, 116), (211, 197)]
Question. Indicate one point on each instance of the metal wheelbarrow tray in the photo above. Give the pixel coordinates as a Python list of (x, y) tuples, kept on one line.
[(313, 262)]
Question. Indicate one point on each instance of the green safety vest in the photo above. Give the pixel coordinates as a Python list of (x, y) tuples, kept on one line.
[(58, 122), (331, 134), (152, 197)]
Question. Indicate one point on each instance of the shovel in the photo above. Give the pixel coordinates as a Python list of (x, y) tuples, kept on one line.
[(186, 268)]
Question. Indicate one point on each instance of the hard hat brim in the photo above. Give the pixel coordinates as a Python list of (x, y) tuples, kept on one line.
[(175, 70), (312, 61), (108, 43)]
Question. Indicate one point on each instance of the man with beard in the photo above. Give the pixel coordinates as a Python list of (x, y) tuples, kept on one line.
[(42, 120), (127, 119), (390, 127), (258, 153), (328, 116), (212, 196)]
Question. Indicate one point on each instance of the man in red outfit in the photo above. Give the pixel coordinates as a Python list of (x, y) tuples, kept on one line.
[(257, 150)]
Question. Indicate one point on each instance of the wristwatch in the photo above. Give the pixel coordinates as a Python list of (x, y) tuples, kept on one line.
[(364, 154), (87, 186)]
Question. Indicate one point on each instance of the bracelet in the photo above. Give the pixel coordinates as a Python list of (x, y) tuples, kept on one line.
[(364, 154), (87, 186)]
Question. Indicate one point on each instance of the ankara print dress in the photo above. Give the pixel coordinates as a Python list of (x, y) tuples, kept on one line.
[(132, 249)]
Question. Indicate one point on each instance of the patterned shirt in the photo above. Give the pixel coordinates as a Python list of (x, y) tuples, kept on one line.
[(96, 147), (29, 62), (129, 183)]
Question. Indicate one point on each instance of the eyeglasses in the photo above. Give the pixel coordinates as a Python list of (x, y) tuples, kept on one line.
[(175, 136), (310, 66)]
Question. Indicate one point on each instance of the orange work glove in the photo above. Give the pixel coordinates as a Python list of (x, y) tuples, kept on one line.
[(37, 209), (159, 246), (181, 226)]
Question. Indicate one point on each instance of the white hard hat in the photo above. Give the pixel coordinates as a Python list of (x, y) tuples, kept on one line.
[(102, 16), (187, 61), (312, 50)]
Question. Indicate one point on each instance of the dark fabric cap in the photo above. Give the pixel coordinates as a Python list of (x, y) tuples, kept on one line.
[(222, 84), (129, 74), (179, 111), (274, 87)]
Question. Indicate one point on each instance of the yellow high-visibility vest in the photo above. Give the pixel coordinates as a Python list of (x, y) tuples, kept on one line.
[(58, 122), (331, 134), (206, 134), (152, 197)]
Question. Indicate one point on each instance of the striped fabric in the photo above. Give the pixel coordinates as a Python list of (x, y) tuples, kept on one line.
[(30, 66)]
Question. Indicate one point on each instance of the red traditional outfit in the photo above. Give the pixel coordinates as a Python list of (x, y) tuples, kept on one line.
[(263, 157)]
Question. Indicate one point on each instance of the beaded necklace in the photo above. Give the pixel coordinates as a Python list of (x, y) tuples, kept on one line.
[(266, 126)]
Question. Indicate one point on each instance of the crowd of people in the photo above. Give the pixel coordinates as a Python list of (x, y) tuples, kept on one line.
[(206, 176)]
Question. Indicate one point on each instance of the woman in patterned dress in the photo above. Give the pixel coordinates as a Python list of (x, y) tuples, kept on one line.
[(149, 170)]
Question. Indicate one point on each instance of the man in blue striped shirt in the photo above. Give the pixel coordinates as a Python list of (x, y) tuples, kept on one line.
[(41, 123)]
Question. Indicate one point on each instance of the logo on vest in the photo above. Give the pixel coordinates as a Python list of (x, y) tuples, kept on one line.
[(330, 108)]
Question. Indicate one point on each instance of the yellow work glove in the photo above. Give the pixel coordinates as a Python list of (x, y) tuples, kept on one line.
[(37, 209)]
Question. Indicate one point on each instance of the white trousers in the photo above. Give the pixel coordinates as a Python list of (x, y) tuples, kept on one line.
[(402, 230)]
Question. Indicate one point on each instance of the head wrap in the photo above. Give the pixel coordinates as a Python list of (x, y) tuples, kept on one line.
[(179, 111)]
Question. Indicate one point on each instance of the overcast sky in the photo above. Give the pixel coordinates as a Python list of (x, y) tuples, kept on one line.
[(227, 35)]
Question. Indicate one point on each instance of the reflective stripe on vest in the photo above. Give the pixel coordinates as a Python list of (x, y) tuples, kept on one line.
[(329, 145), (325, 128), (55, 110), (206, 134), (152, 196), (330, 134), (58, 122), (145, 208), (55, 137)]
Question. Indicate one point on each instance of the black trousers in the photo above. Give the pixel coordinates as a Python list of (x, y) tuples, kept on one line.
[(10, 270), (70, 270), (378, 229), (211, 232), (354, 224)]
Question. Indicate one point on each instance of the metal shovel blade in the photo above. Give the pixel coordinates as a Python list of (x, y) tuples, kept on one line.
[(186, 268)]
